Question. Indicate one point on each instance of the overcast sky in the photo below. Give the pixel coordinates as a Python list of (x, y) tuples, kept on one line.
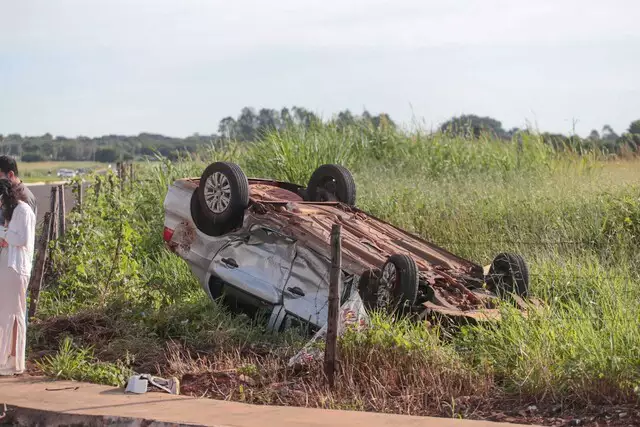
[(91, 67)]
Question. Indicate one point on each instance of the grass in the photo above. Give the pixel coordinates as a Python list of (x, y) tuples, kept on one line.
[(47, 171), (576, 219)]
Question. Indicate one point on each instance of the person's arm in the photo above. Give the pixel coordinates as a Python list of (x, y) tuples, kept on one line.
[(18, 231)]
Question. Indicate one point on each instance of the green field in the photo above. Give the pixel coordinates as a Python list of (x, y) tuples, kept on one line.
[(47, 171), (575, 219)]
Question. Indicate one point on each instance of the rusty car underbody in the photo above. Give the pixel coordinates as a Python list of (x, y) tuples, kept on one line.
[(283, 244)]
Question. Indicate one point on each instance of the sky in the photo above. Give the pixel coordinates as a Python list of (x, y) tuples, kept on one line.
[(176, 67)]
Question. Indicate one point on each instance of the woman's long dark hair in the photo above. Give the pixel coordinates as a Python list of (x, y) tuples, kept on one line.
[(10, 194)]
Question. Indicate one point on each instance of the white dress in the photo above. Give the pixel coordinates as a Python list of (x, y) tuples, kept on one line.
[(14, 278)]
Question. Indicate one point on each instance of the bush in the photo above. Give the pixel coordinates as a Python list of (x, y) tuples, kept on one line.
[(31, 157)]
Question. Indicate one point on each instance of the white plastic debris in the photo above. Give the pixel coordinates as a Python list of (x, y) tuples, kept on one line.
[(137, 385)]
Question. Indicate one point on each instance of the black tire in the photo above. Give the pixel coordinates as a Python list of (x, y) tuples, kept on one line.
[(368, 288), (237, 193), (332, 182), (207, 226), (404, 289), (508, 274)]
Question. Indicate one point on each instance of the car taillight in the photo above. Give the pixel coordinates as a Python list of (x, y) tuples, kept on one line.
[(168, 234)]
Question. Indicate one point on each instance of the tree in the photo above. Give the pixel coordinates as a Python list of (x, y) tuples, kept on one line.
[(472, 126), (227, 128), (106, 155), (268, 120), (383, 120), (594, 135), (246, 124), (31, 157), (634, 127), (285, 117), (304, 117), (608, 134), (345, 119)]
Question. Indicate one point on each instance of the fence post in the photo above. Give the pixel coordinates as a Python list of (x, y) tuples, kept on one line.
[(96, 190), (61, 210), (35, 283), (54, 213), (131, 176), (122, 174), (331, 348), (79, 196)]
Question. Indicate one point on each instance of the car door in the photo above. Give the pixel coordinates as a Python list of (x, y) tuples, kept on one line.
[(307, 290), (255, 266)]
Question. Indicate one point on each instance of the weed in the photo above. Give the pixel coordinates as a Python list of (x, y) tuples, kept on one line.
[(76, 363)]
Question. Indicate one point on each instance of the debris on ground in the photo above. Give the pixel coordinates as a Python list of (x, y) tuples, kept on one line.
[(139, 384)]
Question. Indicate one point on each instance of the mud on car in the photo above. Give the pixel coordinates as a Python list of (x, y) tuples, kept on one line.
[(262, 246)]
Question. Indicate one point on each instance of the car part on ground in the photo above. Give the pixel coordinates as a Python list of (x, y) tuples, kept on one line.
[(264, 246)]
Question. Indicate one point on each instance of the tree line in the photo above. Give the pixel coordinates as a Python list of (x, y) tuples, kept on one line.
[(250, 125)]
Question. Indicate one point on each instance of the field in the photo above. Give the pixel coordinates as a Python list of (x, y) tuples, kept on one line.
[(47, 171), (117, 300)]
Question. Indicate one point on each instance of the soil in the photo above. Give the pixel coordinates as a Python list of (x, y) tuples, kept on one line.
[(217, 384)]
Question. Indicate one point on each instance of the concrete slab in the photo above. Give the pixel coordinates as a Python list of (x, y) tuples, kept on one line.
[(37, 401)]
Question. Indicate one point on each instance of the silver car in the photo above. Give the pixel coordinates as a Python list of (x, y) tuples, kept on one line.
[(263, 247)]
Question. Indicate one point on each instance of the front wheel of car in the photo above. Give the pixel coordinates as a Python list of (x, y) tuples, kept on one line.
[(223, 193), (331, 183)]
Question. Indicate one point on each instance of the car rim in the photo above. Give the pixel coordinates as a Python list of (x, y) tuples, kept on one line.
[(387, 284), (217, 193)]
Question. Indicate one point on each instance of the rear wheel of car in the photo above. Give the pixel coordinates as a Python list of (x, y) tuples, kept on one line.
[(330, 183), (508, 274), (398, 284), (223, 194)]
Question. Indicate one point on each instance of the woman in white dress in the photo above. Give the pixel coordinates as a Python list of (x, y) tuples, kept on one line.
[(19, 234)]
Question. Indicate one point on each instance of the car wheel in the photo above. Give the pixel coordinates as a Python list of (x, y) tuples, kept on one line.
[(331, 183), (368, 288), (508, 274), (223, 194), (398, 284), (205, 225)]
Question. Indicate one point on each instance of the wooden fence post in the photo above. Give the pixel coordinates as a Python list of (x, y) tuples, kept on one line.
[(79, 196), (35, 283), (61, 210), (131, 176), (331, 348), (96, 190), (122, 174), (54, 213)]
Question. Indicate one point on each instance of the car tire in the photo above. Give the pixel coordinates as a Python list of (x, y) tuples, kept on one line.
[(332, 183), (205, 225), (508, 274), (398, 288), (223, 194), (368, 287)]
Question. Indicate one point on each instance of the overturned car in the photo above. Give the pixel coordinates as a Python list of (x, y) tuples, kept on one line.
[(262, 246)]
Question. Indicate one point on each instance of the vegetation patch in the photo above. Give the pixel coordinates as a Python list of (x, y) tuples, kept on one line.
[(126, 303)]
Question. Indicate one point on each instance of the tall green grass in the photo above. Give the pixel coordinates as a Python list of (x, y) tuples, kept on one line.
[(576, 219)]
